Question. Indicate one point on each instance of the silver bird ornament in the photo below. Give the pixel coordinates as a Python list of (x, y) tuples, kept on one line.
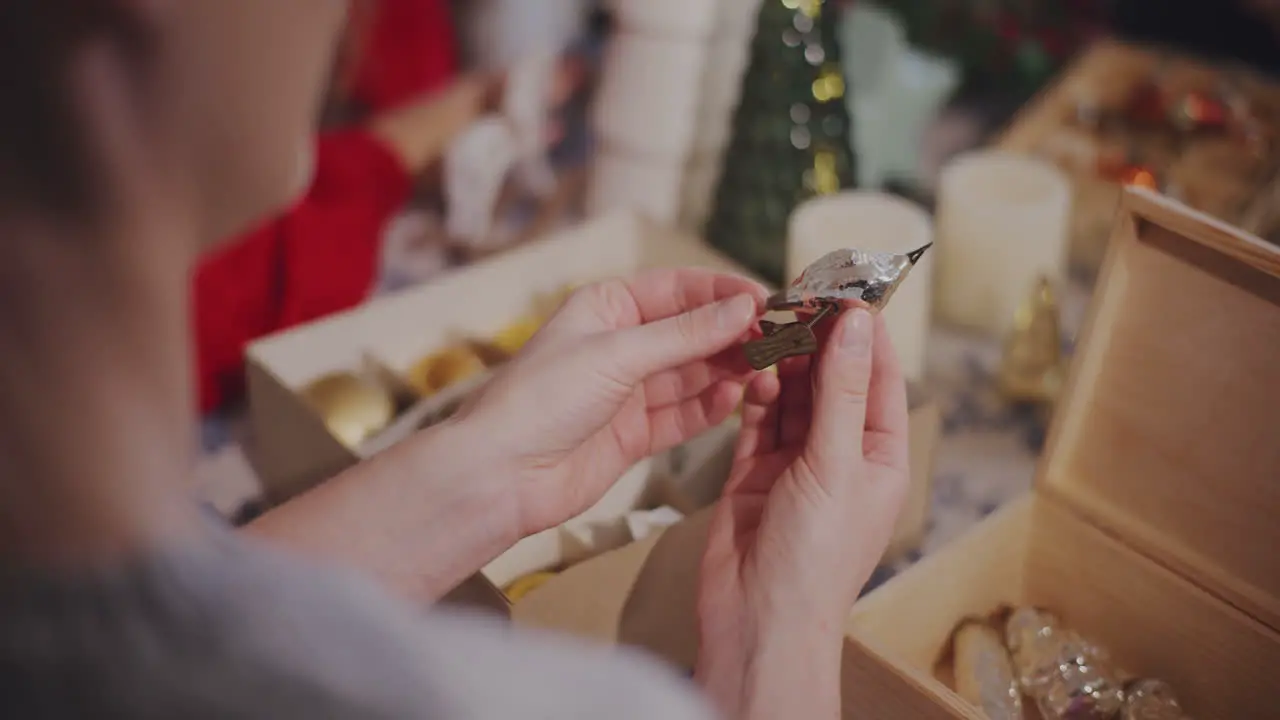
[(838, 280)]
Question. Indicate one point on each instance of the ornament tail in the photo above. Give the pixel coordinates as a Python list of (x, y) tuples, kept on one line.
[(915, 255)]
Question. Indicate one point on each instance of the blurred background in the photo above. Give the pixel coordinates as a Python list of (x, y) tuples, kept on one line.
[(773, 131)]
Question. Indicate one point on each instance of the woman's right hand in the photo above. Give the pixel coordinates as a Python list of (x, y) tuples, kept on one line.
[(819, 476)]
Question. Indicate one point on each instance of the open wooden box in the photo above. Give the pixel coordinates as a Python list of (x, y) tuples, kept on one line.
[(1153, 524), (1210, 173)]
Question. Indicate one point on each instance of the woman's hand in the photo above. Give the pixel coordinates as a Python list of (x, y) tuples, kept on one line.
[(819, 477), (624, 370)]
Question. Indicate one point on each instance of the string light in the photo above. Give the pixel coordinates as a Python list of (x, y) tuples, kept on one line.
[(826, 180)]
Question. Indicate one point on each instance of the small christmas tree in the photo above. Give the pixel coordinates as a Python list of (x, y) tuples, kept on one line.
[(791, 135)]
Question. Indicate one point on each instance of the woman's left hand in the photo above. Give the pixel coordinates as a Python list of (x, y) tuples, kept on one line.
[(624, 370)]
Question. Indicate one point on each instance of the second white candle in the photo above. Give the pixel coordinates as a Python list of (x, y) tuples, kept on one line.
[(1002, 223)]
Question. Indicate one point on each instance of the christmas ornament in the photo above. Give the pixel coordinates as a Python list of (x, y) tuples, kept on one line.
[(791, 137), (510, 339), (1147, 104), (782, 341), (438, 371), (984, 672), (1068, 677), (521, 587), (1198, 110), (1151, 699), (1122, 168), (836, 280), (353, 408), (1032, 367)]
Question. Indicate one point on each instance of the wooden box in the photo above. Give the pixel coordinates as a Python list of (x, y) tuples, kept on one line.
[(1210, 173), (1152, 526)]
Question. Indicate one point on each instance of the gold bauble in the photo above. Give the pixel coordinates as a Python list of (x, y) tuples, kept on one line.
[(547, 304), (511, 338), (352, 407), (525, 585), (438, 371)]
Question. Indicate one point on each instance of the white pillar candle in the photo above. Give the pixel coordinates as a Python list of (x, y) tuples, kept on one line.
[(701, 175), (1002, 222), (647, 99), (693, 19), (623, 181), (874, 222)]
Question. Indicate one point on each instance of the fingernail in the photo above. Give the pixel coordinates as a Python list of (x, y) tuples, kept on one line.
[(736, 311), (855, 336)]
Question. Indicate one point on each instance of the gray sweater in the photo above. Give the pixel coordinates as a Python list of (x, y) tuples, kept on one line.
[(233, 630)]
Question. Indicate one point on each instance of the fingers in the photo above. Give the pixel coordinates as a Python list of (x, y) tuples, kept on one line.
[(840, 405), (678, 423), (759, 433), (682, 383), (886, 441), (664, 293), (795, 406), (648, 297), (631, 355)]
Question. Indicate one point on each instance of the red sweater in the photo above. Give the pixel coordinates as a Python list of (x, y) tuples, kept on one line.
[(317, 259), (322, 255)]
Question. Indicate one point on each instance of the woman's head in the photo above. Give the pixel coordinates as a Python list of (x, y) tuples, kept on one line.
[(204, 106)]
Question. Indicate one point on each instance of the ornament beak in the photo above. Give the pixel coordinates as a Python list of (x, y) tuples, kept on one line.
[(915, 255)]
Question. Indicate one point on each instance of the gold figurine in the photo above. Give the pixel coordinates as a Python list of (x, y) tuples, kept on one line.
[(352, 407), (984, 671), (1032, 368)]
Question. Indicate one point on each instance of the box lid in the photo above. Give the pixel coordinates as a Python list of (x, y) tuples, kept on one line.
[(1167, 434)]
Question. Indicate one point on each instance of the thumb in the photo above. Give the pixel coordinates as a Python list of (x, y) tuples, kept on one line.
[(635, 353), (840, 399)]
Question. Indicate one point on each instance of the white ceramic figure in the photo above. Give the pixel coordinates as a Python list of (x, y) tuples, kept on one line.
[(476, 166), (526, 104), (499, 34)]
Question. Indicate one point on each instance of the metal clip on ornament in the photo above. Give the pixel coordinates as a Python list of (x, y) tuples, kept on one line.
[(826, 287)]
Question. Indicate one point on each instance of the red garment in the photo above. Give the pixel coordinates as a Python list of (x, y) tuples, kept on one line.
[(319, 258), (410, 49)]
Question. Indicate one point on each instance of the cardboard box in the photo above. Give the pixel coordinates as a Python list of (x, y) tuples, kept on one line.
[(1152, 525), (294, 450), (1211, 176)]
